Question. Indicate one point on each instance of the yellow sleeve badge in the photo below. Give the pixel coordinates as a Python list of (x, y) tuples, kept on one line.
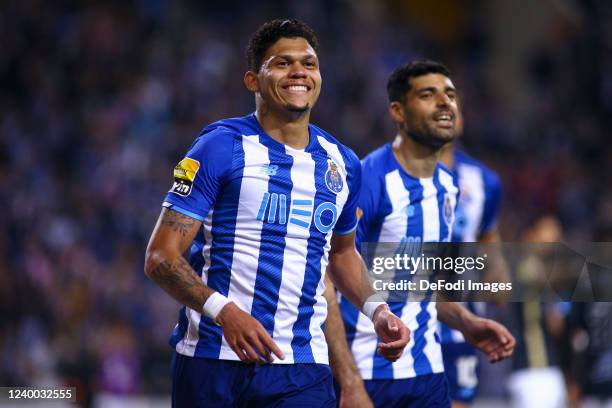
[(184, 175)]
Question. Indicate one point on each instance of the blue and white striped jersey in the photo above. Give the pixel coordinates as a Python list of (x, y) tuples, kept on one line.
[(479, 203), (477, 212), (268, 212), (399, 208)]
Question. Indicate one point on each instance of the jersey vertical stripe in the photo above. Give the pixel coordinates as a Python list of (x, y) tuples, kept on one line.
[(295, 254), (430, 205), (399, 196), (247, 234), (272, 246), (222, 234), (423, 224), (470, 212)]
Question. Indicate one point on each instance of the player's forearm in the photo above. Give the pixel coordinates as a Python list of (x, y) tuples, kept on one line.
[(350, 276), (174, 275), (453, 314), (340, 357)]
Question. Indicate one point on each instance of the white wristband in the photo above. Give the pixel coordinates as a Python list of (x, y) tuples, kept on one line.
[(214, 304), (371, 304)]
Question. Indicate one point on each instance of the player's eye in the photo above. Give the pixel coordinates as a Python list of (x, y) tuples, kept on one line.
[(425, 95), (310, 64), (282, 63), (451, 95)]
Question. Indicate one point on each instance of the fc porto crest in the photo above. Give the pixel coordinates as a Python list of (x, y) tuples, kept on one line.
[(333, 179), (448, 210)]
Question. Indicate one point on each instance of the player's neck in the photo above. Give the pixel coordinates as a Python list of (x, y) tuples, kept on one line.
[(416, 159), (446, 155), (289, 129)]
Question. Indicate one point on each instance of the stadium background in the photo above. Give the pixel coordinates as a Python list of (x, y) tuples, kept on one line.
[(99, 100)]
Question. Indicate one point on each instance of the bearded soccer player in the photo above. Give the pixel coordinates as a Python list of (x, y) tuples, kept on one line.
[(260, 203), (409, 197)]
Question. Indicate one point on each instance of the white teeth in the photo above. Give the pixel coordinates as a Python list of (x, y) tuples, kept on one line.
[(298, 88)]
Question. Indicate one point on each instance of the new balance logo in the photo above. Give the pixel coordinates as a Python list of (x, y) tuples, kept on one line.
[(269, 169)]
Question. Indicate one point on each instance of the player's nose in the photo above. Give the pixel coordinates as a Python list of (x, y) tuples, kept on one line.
[(443, 100), (297, 71)]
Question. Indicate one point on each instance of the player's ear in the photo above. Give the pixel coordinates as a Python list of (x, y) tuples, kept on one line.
[(396, 110), (250, 81)]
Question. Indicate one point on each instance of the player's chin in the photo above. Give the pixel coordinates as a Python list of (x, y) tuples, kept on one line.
[(443, 137), (447, 133), (301, 108)]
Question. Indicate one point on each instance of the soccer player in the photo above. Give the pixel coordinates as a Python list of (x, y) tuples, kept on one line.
[(475, 220), (258, 206), (409, 197)]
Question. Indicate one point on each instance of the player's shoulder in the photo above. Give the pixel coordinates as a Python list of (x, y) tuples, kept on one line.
[(489, 176), (218, 138), (378, 159), (375, 166), (327, 140), (230, 128)]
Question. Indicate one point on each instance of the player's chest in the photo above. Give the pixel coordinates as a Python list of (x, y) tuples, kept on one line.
[(297, 189), (415, 203)]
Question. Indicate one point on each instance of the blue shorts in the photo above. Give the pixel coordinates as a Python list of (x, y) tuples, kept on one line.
[(203, 382), (460, 363), (425, 391)]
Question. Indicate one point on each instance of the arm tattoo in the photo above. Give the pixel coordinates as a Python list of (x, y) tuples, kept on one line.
[(181, 282), (178, 222)]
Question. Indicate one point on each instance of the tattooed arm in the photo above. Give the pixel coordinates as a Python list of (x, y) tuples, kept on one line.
[(165, 265)]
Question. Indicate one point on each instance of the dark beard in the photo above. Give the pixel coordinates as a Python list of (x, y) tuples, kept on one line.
[(429, 139), (297, 109)]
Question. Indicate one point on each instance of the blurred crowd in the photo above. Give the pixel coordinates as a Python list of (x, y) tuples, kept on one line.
[(99, 101)]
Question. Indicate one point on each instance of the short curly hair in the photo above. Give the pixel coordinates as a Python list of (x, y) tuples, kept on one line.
[(399, 81), (270, 32)]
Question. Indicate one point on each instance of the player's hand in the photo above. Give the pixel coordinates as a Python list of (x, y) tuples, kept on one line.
[(246, 336), (356, 396), (490, 337), (393, 333)]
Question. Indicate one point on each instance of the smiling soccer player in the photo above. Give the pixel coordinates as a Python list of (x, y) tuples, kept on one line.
[(409, 198), (261, 203)]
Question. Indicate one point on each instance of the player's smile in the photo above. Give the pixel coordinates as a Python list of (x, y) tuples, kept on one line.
[(297, 89), (296, 92), (445, 119)]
